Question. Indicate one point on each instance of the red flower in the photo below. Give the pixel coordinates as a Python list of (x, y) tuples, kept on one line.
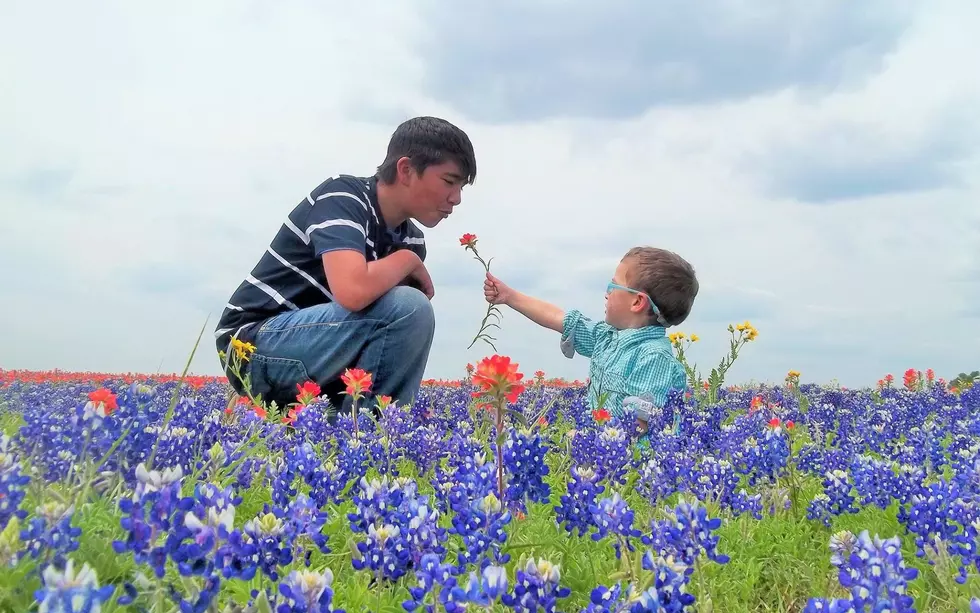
[(497, 375), (911, 379), (103, 400), (383, 402), (790, 425), (260, 411), (601, 415), (290, 417), (468, 240), (774, 422), (308, 392), (357, 381)]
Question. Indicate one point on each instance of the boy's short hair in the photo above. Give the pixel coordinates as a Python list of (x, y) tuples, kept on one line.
[(666, 277), (428, 141)]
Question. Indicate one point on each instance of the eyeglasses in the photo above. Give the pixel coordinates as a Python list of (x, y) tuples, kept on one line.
[(656, 311)]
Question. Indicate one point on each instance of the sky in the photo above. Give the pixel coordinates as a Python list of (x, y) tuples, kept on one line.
[(817, 163)]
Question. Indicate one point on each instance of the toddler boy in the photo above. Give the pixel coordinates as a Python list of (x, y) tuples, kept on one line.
[(630, 355)]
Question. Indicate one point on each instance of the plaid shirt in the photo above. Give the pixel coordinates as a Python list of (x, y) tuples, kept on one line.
[(632, 362)]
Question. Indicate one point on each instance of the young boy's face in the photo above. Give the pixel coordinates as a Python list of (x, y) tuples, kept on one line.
[(625, 309)]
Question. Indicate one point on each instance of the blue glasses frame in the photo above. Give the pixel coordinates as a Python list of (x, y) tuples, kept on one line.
[(660, 318)]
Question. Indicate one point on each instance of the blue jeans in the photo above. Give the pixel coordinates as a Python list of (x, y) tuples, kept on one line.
[(389, 339)]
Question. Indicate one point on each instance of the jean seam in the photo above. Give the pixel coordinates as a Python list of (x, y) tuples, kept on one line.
[(264, 330)]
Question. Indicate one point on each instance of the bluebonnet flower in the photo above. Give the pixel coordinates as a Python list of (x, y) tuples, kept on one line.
[(929, 515), (713, 481), (352, 459), (481, 525), (574, 512), (470, 477), (743, 502), (50, 535), (874, 480), (524, 459), (147, 515), (384, 552), (65, 591), (836, 498), (379, 501), (612, 515), (306, 522), (613, 454), (198, 534), (431, 573), (537, 585), (670, 582), (396, 507), (488, 588), (876, 575), (966, 544), (305, 591), (833, 605), (686, 534), (313, 422), (261, 544), (424, 446), (657, 478), (13, 483)]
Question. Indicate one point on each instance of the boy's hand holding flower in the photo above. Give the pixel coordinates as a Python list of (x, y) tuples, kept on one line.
[(496, 291), (468, 242)]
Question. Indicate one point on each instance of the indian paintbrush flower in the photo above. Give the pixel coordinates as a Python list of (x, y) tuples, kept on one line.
[(499, 383), (358, 382), (468, 242)]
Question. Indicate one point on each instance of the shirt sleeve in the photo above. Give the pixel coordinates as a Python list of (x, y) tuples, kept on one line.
[(581, 332), (413, 240), (337, 218), (654, 376)]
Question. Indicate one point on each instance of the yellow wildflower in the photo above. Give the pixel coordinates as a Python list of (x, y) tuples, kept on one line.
[(242, 349)]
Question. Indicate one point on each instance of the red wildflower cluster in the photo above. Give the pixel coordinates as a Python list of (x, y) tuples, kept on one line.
[(307, 392), (357, 380), (498, 376), (102, 378), (468, 240)]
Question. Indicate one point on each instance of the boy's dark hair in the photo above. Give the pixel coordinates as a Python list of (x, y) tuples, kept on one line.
[(428, 141), (666, 277)]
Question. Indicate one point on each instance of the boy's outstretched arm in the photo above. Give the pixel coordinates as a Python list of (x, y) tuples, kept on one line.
[(540, 312)]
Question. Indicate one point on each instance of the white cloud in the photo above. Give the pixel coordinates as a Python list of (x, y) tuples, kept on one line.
[(179, 139)]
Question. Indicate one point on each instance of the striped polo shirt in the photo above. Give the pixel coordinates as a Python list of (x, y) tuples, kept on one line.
[(342, 213)]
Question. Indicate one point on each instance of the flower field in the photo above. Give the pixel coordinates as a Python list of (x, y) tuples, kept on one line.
[(496, 492)]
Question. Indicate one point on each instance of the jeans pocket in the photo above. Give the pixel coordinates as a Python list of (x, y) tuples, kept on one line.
[(275, 379)]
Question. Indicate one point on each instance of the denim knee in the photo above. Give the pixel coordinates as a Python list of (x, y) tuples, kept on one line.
[(411, 304)]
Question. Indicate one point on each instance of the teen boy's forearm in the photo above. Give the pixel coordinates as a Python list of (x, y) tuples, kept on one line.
[(540, 312), (356, 283)]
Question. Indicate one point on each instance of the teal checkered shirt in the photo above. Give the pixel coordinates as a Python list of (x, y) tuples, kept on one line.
[(631, 362)]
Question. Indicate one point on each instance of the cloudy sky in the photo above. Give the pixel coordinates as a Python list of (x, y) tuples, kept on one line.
[(817, 162)]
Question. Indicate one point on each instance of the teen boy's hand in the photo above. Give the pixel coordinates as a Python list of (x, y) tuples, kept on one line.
[(496, 291), (420, 279)]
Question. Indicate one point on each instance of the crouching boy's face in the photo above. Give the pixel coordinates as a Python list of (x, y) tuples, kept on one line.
[(625, 307)]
